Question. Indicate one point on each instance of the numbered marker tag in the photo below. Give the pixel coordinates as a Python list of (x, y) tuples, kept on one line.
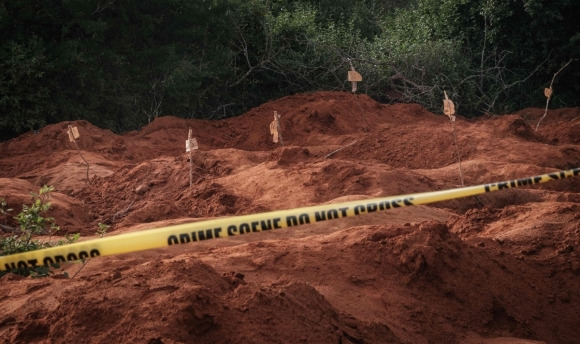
[(448, 107), (190, 145), (548, 92), (73, 133), (274, 131), (354, 77)]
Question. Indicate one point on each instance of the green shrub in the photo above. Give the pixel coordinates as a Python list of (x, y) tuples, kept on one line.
[(32, 224)]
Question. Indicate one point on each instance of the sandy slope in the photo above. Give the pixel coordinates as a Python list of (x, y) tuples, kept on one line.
[(500, 268)]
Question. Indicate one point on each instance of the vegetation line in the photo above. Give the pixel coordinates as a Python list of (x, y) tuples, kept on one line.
[(121, 65)]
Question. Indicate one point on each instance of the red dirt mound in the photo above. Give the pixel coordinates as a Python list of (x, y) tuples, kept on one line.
[(502, 267)]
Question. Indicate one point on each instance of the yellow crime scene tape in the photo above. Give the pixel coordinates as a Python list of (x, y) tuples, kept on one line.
[(238, 225)]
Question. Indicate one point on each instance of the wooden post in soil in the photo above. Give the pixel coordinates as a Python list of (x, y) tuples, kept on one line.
[(354, 77), (548, 93), (276, 130), (449, 110), (190, 145), (73, 135)]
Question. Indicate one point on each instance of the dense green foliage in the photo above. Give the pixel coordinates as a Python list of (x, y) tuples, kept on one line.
[(498, 55), (121, 63)]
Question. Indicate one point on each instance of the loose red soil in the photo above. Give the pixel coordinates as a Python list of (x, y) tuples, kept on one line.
[(496, 269)]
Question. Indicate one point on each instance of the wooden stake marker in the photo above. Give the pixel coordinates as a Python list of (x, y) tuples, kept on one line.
[(276, 130), (449, 110), (354, 77), (448, 107), (73, 135), (548, 91), (190, 145)]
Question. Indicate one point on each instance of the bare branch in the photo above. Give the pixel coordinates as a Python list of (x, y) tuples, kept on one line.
[(101, 7), (265, 59)]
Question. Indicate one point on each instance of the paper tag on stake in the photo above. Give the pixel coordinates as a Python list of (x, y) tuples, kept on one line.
[(191, 144), (448, 107), (354, 77), (548, 92), (73, 133), (274, 131)]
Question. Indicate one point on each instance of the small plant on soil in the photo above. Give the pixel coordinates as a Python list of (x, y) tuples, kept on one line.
[(102, 229), (4, 210), (33, 223)]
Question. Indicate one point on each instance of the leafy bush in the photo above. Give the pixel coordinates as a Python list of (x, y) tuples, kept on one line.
[(32, 224)]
